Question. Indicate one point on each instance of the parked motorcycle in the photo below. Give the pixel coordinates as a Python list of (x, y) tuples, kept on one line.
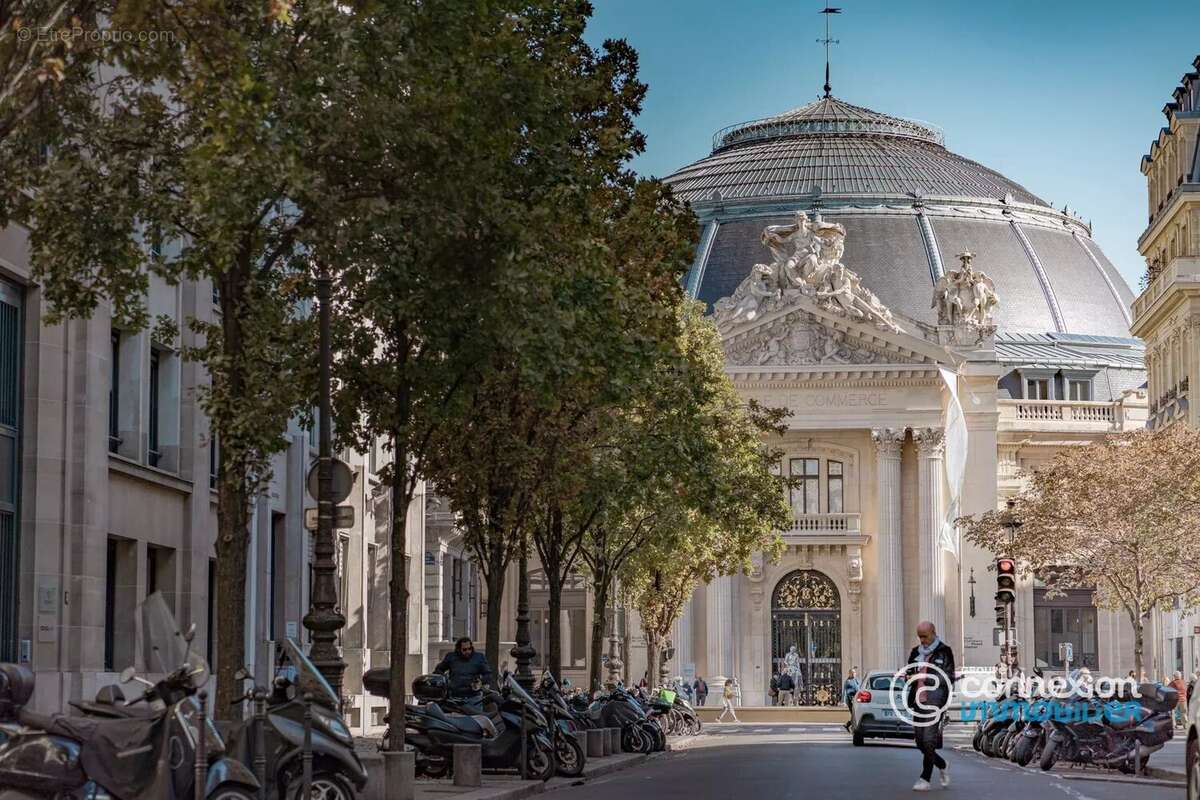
[(620, 709), (135, 756), (514, 717), (337, 770), (1108, 743), (569, 754)]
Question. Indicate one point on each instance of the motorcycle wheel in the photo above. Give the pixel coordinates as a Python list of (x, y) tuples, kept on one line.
[(325, 786), (570, 756), (432, 767), (658, 740), (231, 793), (977, 740), (1023, 752), (631, 739), (1049, 754), (694, 726), (539, 761)]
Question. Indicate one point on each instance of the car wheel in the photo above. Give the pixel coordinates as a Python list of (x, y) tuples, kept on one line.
[(1193, 769), (858, 738)]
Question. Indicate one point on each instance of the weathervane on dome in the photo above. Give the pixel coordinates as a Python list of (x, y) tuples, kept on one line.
[(828, 11)]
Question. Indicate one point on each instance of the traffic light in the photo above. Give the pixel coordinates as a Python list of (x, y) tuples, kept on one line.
[(1001, 615), (1006, 581)]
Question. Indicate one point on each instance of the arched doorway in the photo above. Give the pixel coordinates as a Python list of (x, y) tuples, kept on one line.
[(806, 612)]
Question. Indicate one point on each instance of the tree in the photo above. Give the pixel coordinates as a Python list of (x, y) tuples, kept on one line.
[(687, 453), (497, 127), (215, 142), (1116, 516)]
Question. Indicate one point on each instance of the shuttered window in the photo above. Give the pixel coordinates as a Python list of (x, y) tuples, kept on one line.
[(10, 419)]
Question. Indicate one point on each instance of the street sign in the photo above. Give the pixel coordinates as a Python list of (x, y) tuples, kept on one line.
[(343, 480), (343, 517)]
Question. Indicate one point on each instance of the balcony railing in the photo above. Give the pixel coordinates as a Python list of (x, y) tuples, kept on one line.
[(1181, 268), (826, 525), (1064, 414)]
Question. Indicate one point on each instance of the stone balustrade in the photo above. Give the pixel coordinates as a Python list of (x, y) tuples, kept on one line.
[(826, 524), (1064, 414)]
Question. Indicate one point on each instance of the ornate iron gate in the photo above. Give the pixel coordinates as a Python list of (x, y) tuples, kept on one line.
[(806, 614)]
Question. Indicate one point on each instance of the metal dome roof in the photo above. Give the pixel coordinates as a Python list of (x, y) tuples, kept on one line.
[(833, 147), (908, 205)]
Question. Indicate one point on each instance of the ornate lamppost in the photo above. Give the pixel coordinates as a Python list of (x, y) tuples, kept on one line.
[(614, 647), (524, 652), (324, 619)]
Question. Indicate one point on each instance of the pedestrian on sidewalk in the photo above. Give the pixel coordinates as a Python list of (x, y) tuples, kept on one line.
[(773, 690), (727, 701), (701, 690), (933, 661), (1181, 700), (787, 689), (849, 689)]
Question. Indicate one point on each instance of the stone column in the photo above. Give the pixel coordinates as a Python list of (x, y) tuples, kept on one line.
[(888, 442), (719, 630), (931, 443)]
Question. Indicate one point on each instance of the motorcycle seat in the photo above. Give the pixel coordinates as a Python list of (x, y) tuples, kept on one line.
[(475, 723)]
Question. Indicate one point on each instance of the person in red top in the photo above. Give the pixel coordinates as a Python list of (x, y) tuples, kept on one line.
[(1181, 706)]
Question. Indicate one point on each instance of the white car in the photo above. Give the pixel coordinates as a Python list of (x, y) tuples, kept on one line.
[(873, 716)]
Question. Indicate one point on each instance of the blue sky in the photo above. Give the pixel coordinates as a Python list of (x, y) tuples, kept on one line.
[(1062, 97)]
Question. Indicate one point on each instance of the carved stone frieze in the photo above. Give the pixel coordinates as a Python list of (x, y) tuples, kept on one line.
[(801, 338)]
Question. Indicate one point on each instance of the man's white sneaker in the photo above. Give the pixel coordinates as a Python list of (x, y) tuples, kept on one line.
[(944, 774), (921, 785)]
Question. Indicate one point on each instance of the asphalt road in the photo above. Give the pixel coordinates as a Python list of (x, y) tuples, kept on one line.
[(816, 762)]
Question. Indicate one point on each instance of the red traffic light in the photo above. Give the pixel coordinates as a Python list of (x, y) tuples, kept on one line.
[(1006, 580)]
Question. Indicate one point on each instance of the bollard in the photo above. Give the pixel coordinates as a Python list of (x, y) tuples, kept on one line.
[(401, 771), (306, 757), (468, 765), (376, 788), (596, 738), (614, 735)]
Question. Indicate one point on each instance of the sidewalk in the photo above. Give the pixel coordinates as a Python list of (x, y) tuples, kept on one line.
[(511, 787)]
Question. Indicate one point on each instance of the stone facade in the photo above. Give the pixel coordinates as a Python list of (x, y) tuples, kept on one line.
[(109, 496), (1167, 313)]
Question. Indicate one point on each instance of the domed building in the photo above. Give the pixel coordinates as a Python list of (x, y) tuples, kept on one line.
[(933, 328)]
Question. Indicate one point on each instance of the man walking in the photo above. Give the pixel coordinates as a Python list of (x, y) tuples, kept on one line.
[(1180, 688), (701, 690), (932, 660)]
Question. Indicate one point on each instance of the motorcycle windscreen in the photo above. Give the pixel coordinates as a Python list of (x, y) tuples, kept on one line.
[(168, 649), (308, 678)]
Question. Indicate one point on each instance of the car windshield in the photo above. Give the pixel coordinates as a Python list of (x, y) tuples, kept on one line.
[(308, 678), (882, 683), (168, 649)]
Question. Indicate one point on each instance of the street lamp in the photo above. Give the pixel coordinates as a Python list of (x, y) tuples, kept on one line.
[(324, 619), (523, 652)]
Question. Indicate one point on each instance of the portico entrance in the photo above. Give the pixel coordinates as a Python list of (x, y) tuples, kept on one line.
[(806, 613)]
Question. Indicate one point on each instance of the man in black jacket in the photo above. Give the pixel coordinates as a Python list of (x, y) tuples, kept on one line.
[(928, 697), (468, 671)]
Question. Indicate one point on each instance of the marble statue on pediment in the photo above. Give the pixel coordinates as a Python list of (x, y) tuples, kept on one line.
[(965, 296)]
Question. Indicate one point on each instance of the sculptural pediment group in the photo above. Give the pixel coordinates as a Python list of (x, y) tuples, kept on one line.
[(807, 261), (965, 296)]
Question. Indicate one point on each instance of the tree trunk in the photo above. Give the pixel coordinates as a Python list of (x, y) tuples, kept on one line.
[(1138, 645), (554, 645), (495, 595), (653, 653), (233, 540), (398, 591), (599, 613)]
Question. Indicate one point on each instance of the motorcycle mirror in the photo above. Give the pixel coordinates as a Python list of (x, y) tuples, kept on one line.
[(128, 674), (191, 633), (241, 674)]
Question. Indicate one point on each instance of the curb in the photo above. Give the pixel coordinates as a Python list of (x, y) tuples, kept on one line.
[(529, 789)]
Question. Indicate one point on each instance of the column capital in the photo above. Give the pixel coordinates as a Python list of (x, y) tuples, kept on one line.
[(931, 442), (888, 441)]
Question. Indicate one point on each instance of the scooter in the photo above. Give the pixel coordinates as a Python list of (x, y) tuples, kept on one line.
[(1122, 744), (337, 771), (137, 756), (515, 722)]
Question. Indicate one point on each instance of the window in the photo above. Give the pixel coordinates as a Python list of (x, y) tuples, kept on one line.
[(212, 610), (834, 488), (114, 393), (155, 454), (151, 570), (806, 492), (212, 461), (110, 606), (377, 600), (1037, 389), (343, 567), (1067, 618), (373, 457), (1079, 390)]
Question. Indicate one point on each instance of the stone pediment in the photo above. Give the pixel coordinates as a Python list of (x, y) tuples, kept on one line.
[(802, 335)]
